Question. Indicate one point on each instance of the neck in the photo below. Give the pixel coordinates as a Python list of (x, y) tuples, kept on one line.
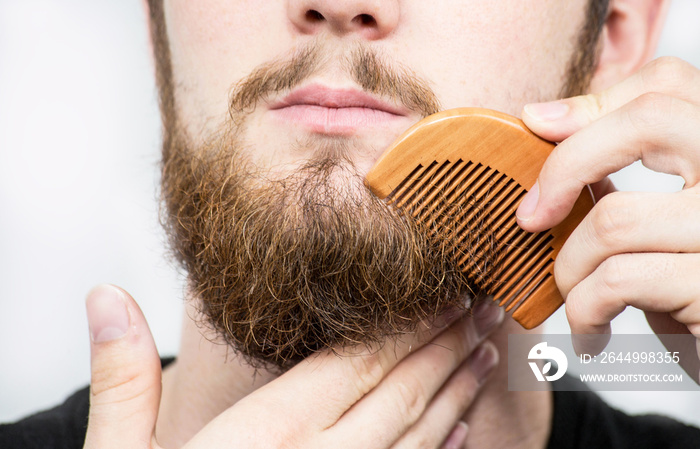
[(512, 419), (208, 378)]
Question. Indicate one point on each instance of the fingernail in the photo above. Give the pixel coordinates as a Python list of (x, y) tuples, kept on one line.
[(108, 318), (487, 316), (457, 437), (547, 112), (528, 205), (483, 360)]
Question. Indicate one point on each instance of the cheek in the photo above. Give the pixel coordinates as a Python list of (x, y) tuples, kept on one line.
[(215, 42), (502, 54)]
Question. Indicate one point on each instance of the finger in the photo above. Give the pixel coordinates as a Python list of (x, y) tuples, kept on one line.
[(653, 282), (401, 399), (603, 188), (557, 120), (126, 374), (662, 323), (440, 424), (457, 437), (674, 336), (627, 222), (346, 376), (660, 131)]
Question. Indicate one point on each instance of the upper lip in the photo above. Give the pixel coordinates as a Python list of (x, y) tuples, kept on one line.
[(319, 95)]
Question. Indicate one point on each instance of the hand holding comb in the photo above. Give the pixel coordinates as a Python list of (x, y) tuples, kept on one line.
[(462, 173)]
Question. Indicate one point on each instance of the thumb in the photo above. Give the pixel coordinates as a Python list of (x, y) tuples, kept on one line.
[(126, 374)]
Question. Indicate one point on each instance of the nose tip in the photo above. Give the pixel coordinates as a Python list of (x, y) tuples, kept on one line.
[(371, 19)]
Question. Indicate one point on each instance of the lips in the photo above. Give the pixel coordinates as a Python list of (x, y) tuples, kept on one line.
[(324, 110)]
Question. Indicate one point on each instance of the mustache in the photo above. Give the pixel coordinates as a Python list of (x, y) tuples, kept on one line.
[(365, 66)]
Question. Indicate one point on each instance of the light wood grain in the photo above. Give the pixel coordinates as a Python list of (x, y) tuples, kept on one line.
[(505, 159)]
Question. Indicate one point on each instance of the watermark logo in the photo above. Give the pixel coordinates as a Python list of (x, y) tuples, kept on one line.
[(548, 353), (630, 362)]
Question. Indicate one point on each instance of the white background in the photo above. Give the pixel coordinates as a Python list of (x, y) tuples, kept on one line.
[(79, 144)]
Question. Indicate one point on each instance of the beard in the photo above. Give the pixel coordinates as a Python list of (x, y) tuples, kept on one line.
[(297, 265), (284, 266)]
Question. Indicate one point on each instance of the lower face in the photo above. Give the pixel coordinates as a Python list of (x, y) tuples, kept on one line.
[(284, 215)]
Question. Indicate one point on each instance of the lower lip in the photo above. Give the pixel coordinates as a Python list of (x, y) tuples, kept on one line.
[(335, 121)]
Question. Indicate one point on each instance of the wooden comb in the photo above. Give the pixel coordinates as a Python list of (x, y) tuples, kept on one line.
[(462, 173)]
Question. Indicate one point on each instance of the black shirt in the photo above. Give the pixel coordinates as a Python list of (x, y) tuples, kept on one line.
[(581, 420)]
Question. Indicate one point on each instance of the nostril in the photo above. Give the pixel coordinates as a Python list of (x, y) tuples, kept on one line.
[(314, 16), (365, 20)]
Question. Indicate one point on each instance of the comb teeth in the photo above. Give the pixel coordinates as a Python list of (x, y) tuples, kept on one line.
[(460, 175), (472, 206)]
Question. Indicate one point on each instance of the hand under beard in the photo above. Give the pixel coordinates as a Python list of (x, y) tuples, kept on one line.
[(288, 266)]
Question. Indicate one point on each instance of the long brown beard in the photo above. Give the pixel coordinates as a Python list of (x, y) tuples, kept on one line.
[(288, 266), (285, 268)]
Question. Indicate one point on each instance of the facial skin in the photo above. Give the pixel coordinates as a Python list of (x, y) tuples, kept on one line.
[(262, 170), (215, 43)]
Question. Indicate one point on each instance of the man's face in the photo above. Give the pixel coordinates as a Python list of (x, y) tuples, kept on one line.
[(496, 54), (280, 108)]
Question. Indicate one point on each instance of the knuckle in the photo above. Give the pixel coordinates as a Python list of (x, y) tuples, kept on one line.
[(612, 220), (122, 378), (108, 389), (410, 397), (367, 371), (650, 111), (595, 105), (668, 74), (613, 275)]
